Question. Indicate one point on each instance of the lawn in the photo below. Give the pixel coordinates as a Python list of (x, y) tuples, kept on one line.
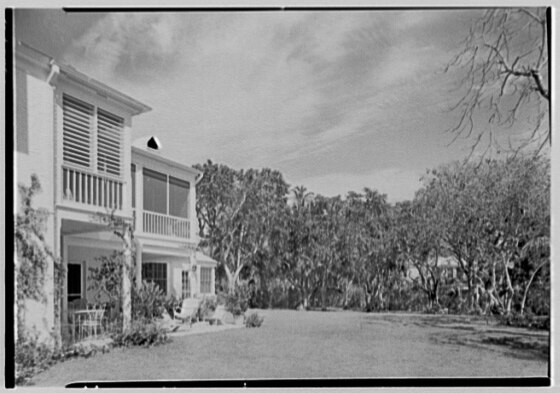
[(339, 344)]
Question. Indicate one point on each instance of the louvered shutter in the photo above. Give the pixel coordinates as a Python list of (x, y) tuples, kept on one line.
[(109, 143), (77, 125)]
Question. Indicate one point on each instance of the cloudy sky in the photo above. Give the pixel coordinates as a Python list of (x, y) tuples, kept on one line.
[(336, 101)]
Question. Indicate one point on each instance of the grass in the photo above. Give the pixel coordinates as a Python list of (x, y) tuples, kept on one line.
[(293, 344)]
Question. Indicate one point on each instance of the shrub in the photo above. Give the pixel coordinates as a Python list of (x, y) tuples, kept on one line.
[(236, 304), (206, 307), (31, 357), (143, 332), (525, 320), (254, 320), (149, 301)]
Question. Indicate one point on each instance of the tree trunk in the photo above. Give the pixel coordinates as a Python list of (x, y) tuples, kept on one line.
[(510, 290), (324, 292), (526, 291)]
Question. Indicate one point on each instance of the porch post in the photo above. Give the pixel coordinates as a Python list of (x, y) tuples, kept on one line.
[(213, 281), (138, 264), (126, 287), (64, 301)]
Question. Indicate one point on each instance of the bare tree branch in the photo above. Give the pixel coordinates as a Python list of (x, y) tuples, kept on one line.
[(501, 73)]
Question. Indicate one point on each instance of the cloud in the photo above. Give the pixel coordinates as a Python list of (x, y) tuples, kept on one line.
[(126, 45), (283, 90)]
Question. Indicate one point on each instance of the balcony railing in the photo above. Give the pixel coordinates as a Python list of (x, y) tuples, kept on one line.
[(164, 225), (91, 189)]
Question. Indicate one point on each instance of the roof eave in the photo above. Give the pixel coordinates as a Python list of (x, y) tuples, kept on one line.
[(156, 157), (76, 76)]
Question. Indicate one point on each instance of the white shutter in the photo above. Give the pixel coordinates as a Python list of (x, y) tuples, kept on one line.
[(109, 142), (77, 125)]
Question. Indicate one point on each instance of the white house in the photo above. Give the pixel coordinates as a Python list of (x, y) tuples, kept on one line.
[(76, 134)]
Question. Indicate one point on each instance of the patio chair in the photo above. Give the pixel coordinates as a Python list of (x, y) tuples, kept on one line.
[(187, 310), (93, 322), (168, 323)]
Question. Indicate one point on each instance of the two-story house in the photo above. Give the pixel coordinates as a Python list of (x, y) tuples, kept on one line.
[(75, 134)]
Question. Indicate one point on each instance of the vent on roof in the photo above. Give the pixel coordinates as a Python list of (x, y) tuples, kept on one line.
[(153, 143)]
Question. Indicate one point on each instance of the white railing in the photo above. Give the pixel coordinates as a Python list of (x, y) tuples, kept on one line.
[(161, 224), (91, 189)]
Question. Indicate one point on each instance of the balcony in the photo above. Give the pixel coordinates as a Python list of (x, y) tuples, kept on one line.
[(87, 189), (164, 225)]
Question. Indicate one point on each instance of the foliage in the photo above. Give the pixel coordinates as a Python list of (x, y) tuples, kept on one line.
[(476, 234), (254, 320), (149, 302), (142, 332), (490, 213), (236, 302), (106, 279), (33, 254), (33, 356), (236, 211), (526, 320), (503, 75), (206, 307)]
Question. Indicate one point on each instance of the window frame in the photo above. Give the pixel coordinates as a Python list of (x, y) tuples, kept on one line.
[(203, 280), (93, 154), (185, 292), (145, 265), (168, 181)]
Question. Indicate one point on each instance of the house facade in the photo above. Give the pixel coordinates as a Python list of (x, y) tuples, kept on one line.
[(76, 135)]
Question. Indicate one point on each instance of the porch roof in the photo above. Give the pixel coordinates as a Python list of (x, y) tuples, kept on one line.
[(205, 259)]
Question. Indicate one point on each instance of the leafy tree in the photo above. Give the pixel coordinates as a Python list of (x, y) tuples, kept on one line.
[(298, 264), (237, 211), (420, 243), (489, 213)]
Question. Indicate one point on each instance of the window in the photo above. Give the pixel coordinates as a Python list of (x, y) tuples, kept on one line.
[(82, 124), (165, 194), (185, 284), (109, 145), (74, 280), (178, 197), (156, 273), (77, 128), (205, 280), (155, 191), (133, 184)]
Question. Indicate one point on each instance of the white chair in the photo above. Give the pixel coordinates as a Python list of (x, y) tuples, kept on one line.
[(93, 322), (187, 310)]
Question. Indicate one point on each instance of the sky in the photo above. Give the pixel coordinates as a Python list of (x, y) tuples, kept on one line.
[(336, 101)]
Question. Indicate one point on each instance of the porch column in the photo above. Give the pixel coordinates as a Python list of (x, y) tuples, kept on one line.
[(64, 261), (138, 263), (126, 287), (213, 281)]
